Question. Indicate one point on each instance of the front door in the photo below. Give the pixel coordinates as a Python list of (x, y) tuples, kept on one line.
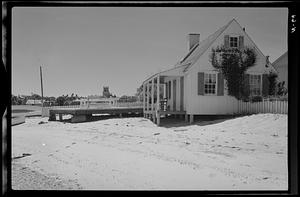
[(174, 95)]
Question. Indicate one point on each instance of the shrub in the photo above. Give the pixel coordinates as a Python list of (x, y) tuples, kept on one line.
[(256, 99)]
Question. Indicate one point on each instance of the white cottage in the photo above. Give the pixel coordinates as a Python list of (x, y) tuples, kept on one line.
[(194, 86)]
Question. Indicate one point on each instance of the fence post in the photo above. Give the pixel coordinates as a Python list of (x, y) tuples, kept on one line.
[(271, 106), (256, 108), (280, 111), (241, 107), (249, 107), (286, 107)]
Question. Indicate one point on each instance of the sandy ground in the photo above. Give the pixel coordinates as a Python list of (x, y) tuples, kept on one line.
[(245, 153)]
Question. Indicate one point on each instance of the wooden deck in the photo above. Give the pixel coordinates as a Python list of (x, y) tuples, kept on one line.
[(81, 115)]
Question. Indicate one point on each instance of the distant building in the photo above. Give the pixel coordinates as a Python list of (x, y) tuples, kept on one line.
[(33, 102), (106, 92), (281, 65)]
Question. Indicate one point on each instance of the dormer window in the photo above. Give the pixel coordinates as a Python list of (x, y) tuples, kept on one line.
[(233, 41)]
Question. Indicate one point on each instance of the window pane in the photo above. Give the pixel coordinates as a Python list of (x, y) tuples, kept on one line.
[(209, 83), (255, 85)]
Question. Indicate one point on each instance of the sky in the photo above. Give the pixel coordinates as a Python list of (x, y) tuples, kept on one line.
[(83, 49)]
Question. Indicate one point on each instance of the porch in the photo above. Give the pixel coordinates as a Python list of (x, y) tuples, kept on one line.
[(163, 95)]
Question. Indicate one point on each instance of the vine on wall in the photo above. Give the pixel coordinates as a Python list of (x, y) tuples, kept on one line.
[(233, 63), (272, 83)]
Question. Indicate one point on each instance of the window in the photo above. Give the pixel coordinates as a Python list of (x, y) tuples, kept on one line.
[(233, 42), (255, 85), (209, 84)]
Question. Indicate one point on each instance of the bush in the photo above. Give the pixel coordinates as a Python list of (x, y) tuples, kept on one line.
[(256, 99)]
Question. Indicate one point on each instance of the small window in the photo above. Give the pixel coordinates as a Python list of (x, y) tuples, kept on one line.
[(233, 42), (255, 85), (209, 84)]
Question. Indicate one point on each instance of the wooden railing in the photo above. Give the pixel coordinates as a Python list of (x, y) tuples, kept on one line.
[(162, 105), (128, 104), (63, 106)]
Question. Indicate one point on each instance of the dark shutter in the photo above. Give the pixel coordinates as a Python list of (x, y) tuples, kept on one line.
[(174, 94), (181, 93), (220, 84), (246, 89), (200, 83), (167, 94), (226, 41), (241, 42), (265, 85), (169, 89)]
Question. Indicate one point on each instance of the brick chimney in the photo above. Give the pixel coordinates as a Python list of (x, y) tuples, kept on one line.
[(193, 39)]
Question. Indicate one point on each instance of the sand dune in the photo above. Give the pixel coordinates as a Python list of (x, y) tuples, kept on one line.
[(245, 153)]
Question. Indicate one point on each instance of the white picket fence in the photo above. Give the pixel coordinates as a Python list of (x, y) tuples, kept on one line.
[(265, 106)]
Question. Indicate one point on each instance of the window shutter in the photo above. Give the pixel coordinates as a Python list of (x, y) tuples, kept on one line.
[(226, 41), (200, 83), (265, 85), (220, 84), (246, 89), (167, 93), (241, 42), (169, 89)]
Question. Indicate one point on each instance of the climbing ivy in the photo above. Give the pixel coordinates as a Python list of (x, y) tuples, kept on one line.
[(233, 63), (272, 83)]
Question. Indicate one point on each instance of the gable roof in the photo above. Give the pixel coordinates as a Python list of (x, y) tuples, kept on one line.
[(204, 45), (194, 55), (199, 49), (278, 59)]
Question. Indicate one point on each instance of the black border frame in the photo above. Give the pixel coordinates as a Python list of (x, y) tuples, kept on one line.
[(293, 70)]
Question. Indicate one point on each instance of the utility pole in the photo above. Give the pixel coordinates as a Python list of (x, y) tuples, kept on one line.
[(42, 86)]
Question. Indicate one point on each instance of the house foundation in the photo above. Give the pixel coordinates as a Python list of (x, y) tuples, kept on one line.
[(191, 118)]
